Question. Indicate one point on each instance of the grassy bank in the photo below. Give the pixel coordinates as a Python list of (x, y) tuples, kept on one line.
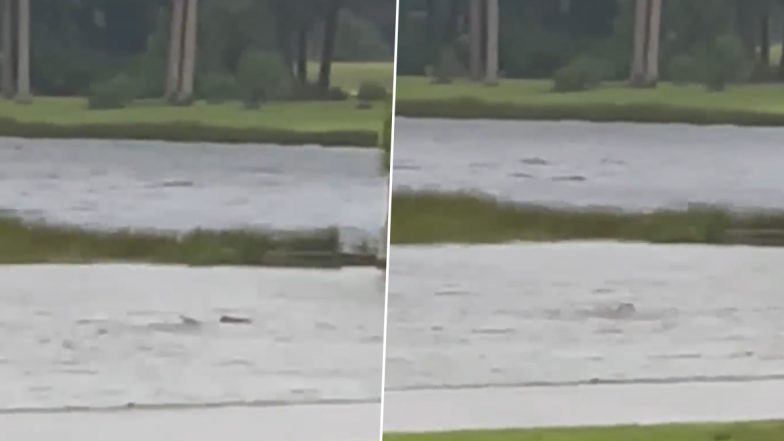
[(753, 105), (765, 431), (338, 123), (430, 218), (22, 243)]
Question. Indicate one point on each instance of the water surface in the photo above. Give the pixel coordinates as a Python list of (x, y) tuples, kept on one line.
[(182, 186), (528, 314), (101, 336), (628, 166)]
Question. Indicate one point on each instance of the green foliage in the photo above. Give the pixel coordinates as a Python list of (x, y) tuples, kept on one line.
[(188, 132), (262, 76), (358, 39), (217, 87), (371, 91), (24, 243), (683, 69), (529, 51), (724, 62), (313, 92), (386, 142), (433, 217), (584, 73), (116, 93), (447, 67)]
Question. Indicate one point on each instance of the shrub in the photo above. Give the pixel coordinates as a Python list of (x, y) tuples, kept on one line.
[(262, 76), (725, 62), (683, 69), (447, 67), (371, 91), (313, 92), (218, 87), (581, 74), (115, 93)]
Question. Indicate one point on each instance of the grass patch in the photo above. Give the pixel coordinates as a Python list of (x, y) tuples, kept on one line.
[(432, 217), (24, 243), (755, 105), (328, 123), (349, 75), (323, 123), (763, 431)]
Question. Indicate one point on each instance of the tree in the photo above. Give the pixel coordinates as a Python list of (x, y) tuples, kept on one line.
[(647, 31), (493, 15), (23, 94), (654, 32), (328, 50), (174, 64), (475, 39), (189, 51), (8, 49)]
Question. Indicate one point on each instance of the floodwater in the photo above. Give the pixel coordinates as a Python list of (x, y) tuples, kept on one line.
[(182, 186), (566, 316), (102, 336), (620, 165)]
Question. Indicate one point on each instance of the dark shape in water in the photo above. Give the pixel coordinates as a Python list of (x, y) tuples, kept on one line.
[(625, 310), (534, 161), (234, 320), (520, 175), (189, 321), (575, 178)]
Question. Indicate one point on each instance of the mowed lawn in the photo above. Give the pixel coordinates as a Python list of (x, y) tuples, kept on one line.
[(763, 431), (296, 116), (768, 98)]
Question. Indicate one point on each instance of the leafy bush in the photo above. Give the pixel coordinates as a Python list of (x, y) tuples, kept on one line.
[(447, 67), (358, 39), (725, 62), (312, 92), (115, 93), (683, 69), (262, 76), (218, 87), (371, 91), (582, 74), (529, 51)]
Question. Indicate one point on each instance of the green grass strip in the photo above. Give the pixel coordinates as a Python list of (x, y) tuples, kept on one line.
[(761, 431), (25, 243), (433, 217)]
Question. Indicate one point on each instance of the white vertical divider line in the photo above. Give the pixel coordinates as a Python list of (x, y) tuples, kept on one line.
[(390, 182)]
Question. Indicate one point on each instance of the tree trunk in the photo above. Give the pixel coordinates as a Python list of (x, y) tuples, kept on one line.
[(654, 33), (23, 57), (174, 69), (328, 49), (636, 78), (491, 72), (475, 39), (8, 49), (765, 38), (781, 66), (302, 55), (189, 52)]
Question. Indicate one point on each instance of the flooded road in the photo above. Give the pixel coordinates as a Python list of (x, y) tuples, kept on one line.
[(628, 166), (495, 318), (180, 186), (102, 336)]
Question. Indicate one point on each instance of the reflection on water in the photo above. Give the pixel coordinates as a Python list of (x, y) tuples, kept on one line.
[(178, 186), (630, 166), (567, 313), (108, 335)]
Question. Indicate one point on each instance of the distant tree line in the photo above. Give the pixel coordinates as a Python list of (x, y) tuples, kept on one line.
[(642, 41), (172, 47)]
